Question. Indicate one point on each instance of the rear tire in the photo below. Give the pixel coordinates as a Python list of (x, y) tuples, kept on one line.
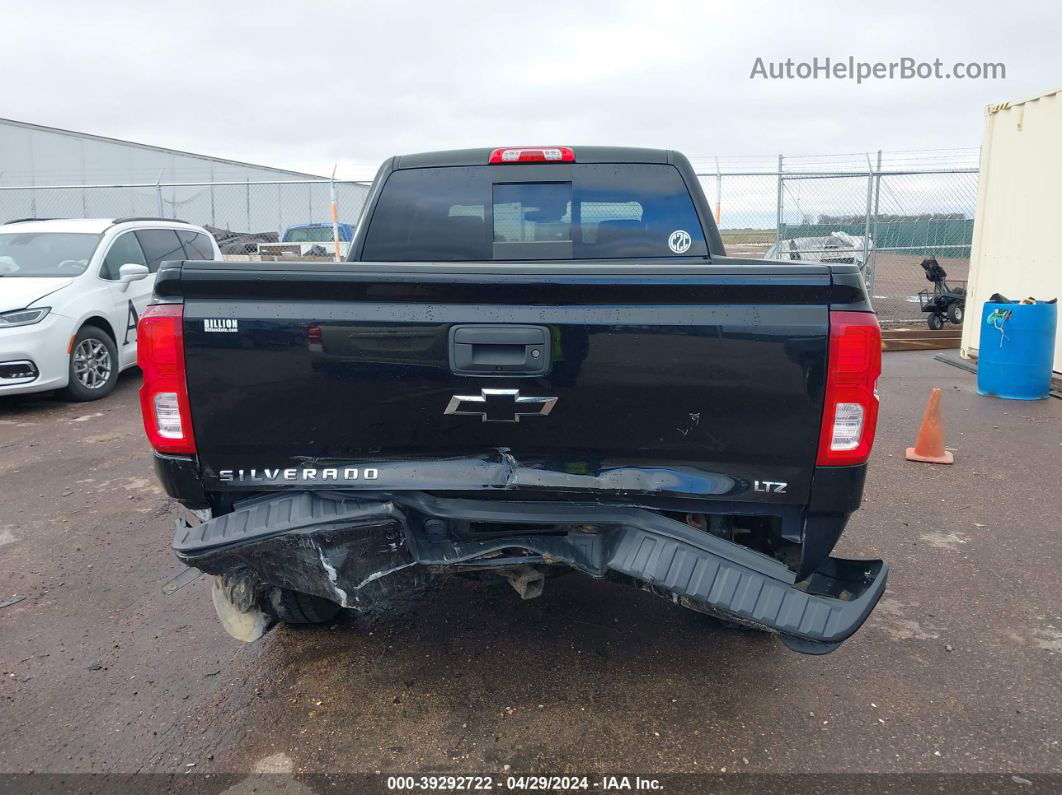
[(955, 313), (92, 367), (293, 607), (936, 321)]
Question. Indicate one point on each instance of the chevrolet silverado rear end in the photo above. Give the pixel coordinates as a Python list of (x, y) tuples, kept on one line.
[(535, 360)]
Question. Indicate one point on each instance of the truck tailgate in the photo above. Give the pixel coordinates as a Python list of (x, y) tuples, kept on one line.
[(692, 380)]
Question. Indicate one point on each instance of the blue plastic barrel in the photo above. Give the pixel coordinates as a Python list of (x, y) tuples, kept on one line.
[(1016, 350)]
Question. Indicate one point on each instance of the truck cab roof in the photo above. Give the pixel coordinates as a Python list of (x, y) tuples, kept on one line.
[(583, 154)]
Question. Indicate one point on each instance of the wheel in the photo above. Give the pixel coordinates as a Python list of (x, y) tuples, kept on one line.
[(955, 313), (93, 365), (293, 607), (936, 321)]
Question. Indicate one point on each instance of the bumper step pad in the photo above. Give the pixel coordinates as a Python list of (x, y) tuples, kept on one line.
[(816, 622), (275, 515)]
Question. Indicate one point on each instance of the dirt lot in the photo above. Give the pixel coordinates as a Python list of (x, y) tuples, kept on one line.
[(959, 669)]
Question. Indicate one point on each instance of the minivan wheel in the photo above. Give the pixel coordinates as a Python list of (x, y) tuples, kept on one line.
[(93, 367)]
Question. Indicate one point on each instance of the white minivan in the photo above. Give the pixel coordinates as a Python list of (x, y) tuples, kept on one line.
[(71, 293)]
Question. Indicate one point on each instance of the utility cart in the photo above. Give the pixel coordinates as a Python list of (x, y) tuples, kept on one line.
[(945, 302)]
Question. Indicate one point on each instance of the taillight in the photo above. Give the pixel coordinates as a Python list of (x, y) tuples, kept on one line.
[(533, 154), (850, 413), (164, 394)]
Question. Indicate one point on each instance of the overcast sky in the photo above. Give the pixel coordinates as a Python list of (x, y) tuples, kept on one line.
[(304, 85)]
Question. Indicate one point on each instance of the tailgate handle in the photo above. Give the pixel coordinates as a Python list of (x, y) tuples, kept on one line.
[(499, 350)]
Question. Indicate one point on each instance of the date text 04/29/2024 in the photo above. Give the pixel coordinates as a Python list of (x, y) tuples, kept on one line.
[(522, 783)]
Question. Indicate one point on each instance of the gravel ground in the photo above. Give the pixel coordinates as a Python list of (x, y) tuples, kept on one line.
[(959, 669)]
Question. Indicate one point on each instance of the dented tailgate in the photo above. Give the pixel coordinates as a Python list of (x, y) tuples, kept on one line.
[(695, 380)]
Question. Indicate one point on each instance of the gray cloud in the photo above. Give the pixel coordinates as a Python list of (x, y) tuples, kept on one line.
[(304, 85)]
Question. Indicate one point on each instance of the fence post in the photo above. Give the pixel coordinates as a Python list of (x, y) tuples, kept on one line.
[(868, 275), (248, 204), (778, 228), (877, 206), (877, 199), (718, 192), (158, 194), (335, 213), (84, 195)]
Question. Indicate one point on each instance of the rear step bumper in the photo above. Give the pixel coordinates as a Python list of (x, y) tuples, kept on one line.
[(358, 551)]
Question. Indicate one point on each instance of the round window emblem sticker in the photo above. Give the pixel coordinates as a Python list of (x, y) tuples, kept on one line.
[(679, 242)]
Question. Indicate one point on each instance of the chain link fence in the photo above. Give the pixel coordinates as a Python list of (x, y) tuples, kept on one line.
[(885, 213), (238, 213)]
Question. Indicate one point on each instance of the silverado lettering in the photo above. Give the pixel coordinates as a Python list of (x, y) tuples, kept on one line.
[(347, 473)]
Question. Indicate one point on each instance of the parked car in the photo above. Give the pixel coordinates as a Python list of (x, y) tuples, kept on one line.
[(71, 293), (310, 240), (239, 243), (536, 360), (839, 247)]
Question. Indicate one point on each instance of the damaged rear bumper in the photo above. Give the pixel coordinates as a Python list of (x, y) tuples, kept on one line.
[(364, 553)]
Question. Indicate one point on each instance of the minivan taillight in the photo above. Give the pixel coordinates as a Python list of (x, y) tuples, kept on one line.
[(850, 413), (164, 394)]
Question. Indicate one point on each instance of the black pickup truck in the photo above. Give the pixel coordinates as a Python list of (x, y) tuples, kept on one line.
[(535, 360)]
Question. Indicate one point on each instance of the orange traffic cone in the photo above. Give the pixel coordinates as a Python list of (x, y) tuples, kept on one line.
[(929, 446)]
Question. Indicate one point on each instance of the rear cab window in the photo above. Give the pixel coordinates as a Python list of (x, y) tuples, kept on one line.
[(548, 212), (319, 233)]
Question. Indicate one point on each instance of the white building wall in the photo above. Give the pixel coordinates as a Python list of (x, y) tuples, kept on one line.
[(1019, 207), (34, 155), (35, 159)]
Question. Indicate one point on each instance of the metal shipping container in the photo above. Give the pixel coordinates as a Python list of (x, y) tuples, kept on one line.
[(1019, 204)]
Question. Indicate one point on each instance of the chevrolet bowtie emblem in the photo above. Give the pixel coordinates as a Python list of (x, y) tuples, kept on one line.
[(500, 405)]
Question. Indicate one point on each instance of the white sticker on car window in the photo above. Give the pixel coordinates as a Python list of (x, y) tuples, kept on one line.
[(679, 242)]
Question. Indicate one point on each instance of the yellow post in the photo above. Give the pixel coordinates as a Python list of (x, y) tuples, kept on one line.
[(335, 216)]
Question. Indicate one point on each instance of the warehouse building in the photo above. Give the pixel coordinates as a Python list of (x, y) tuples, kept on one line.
[(46, 172)]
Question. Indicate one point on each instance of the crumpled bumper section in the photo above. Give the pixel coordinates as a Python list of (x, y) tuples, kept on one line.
[(362, 553)]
